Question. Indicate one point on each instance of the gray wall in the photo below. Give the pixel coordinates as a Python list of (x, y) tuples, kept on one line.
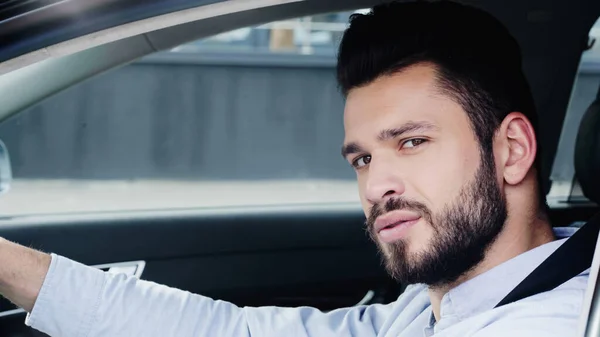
[(219, 116), (159, 120)]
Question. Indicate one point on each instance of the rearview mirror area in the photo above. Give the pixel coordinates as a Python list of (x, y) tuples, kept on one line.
[(5, 169)]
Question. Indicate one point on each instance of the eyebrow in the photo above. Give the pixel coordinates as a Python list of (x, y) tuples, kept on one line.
[(408, 127), (351, 148), (388, 134)]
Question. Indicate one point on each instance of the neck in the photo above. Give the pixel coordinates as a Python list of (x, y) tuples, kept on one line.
[(515, 239)]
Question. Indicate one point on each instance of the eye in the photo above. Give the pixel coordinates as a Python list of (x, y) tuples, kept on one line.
[(361, 161), (412, 143)]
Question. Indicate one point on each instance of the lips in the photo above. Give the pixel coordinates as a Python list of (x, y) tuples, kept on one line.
[(392, 226), (394, 218)]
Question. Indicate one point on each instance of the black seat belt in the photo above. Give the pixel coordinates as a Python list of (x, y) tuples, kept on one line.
[(572, 258)]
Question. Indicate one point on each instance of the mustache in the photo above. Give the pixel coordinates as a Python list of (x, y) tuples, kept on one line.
[(395, 204)]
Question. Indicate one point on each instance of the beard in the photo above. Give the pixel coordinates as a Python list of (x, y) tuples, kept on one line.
[(462, 232)]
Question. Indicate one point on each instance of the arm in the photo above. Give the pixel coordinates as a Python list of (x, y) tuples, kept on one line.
[(22, 272), (76, 300)]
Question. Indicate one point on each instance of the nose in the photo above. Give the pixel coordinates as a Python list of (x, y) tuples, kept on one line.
[(384, 181)]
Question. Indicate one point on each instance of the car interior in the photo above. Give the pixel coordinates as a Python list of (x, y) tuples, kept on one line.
[(303, 254)]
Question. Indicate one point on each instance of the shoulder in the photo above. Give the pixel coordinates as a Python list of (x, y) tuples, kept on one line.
[(548, 314)]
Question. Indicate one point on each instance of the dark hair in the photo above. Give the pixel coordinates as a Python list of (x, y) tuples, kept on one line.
[(477, 60)]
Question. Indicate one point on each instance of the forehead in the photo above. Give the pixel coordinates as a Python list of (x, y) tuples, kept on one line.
[(407, 96)]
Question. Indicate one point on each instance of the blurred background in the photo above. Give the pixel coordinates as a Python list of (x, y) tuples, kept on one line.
[(245, 118)]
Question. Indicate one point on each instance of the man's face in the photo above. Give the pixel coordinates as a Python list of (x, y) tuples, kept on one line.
[(432, 200)]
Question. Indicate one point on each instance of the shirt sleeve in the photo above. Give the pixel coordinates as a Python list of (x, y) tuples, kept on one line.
[(76, 300)]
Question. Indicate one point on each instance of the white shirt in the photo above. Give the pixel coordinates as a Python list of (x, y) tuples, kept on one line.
[(80, 301)]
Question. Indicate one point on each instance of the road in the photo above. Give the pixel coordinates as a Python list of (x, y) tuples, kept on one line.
[(29, 197)]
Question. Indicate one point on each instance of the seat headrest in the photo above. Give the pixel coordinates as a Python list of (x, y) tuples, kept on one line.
[(587, 153)]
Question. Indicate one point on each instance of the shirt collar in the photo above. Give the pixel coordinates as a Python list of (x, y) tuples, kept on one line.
[(476, 295)]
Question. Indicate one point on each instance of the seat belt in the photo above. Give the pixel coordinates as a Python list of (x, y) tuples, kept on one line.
[(572, 258)]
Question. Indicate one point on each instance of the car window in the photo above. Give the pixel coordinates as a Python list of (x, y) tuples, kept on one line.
[(245, 118), (585, 90)]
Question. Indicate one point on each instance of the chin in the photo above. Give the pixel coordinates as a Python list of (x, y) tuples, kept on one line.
[(391, 249)]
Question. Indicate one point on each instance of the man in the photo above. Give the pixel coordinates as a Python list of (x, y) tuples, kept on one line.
[(439, 125)]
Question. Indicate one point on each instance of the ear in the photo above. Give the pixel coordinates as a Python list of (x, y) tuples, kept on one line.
[(517, 146)]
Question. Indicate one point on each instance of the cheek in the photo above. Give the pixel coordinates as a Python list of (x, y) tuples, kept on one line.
[(438, 176), (421, 236), (366, 205)]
